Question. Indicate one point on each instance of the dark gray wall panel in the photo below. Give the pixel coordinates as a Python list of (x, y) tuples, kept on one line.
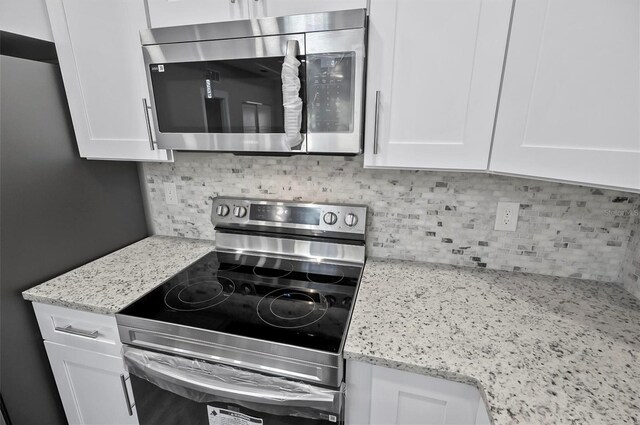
[(57, 212)]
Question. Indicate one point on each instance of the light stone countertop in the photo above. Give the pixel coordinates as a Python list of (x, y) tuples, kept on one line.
[(541, 349), (112, 282)]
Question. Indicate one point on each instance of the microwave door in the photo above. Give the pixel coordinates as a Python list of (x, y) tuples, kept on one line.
[(224, 95)]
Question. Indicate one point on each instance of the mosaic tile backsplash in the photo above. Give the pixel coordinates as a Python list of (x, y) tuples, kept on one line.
[(444, 217)]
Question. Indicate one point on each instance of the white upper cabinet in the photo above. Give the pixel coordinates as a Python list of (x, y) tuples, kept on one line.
[(263, 8), (100, 57), (434, 71), (169, 13), (570, 104)]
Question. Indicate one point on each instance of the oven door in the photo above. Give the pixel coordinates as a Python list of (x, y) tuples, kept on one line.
[(228, 95), (171, 390)]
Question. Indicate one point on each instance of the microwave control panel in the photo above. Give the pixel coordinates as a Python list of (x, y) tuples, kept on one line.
[(330, 103)]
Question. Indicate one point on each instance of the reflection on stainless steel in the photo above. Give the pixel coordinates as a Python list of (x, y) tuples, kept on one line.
[(321, 251), (326, 21)]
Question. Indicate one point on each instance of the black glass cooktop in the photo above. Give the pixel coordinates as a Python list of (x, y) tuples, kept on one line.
[(300, 303)]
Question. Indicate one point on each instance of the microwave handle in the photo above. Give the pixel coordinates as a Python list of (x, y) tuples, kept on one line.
[(291, 100), (145, 109)]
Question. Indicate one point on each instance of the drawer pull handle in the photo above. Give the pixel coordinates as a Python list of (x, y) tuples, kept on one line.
[(71, 330), (123, 380)]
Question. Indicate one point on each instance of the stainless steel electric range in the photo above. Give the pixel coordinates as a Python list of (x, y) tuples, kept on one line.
[(253, 332)]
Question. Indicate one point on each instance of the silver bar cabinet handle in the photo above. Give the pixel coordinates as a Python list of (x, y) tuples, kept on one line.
[(146, 108), (71, 330), (375, 124), (123, 380)]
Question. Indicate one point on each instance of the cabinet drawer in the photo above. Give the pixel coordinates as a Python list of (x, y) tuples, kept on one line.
[(81, 329)]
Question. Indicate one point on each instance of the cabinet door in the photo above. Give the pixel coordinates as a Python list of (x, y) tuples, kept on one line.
[(381, 396), (98, 47), (91, 386), (169, 13), (570, 103), (433, 79), (262, 8)]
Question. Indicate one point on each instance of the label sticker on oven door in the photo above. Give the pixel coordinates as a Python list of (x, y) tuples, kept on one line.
[(219, 416)]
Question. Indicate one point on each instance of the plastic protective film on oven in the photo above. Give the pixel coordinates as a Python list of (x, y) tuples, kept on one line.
[(205, 382)]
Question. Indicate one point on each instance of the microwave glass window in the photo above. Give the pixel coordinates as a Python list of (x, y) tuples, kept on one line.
[(330, 79), (227, 96)]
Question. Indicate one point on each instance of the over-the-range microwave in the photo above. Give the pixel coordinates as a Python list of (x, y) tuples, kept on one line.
[(285, 85)]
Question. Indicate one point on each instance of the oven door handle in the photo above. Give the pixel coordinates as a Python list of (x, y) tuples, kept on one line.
[(200, 380)]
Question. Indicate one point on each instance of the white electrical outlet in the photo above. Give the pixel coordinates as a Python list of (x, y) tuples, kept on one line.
[(170, 194), (507, 216)]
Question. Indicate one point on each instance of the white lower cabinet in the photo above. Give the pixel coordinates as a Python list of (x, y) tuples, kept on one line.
[(92, 386), (84, 353), (381, 396)]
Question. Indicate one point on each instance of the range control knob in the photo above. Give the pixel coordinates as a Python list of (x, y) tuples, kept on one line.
[(351, 219), (330, 218), (331, 300), (239, 212), (222, 210)]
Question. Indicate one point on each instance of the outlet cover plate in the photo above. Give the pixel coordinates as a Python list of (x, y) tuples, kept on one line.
[(170, 194), (507, 216)]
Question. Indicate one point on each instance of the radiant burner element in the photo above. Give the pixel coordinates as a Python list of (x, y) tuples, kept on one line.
[(324, 278), (279, 269), (228, 266), (291, 308), (199, 293)]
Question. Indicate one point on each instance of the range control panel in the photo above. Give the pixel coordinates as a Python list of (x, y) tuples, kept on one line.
[(350, 219)]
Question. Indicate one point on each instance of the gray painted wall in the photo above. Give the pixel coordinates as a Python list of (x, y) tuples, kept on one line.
[(57, 212)]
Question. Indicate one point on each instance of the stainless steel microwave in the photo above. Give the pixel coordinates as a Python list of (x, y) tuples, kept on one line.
[(285, 85)]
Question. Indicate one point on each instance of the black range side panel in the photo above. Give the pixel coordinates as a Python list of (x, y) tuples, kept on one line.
[(57, 212)]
